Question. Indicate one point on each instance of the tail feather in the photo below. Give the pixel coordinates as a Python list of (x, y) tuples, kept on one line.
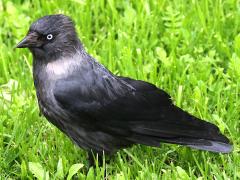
[(187, 130), (214, 147), (201, 144), (159, 120)]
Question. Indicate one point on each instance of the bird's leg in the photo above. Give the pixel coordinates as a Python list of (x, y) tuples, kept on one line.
[(100, 160), (92, 156), (91, 160)]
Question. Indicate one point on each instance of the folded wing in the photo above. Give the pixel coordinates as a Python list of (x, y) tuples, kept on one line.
[(140, 114)]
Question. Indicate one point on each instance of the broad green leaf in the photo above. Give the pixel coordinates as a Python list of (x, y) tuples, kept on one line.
[(90, 174), (23, 169), (73, 170), (38, 171), (182, 173), (60, 173)]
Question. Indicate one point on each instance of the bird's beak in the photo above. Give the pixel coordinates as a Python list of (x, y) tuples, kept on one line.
[(30, 40)]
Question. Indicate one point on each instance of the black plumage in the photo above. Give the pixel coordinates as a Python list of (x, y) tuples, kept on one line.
[(100, 111)]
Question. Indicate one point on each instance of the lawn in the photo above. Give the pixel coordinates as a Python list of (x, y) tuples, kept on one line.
[(189, 48)]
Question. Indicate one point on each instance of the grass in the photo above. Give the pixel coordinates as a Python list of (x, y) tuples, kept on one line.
[(191, 49)]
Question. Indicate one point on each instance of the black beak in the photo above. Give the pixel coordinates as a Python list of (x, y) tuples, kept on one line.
[(31, 40)]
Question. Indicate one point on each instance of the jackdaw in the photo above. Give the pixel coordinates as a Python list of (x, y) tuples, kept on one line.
[(100, 111)]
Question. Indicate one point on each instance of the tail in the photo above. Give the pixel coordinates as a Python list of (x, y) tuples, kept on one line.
[(213, 146), (201, 144), (158, 120), (183, 129)]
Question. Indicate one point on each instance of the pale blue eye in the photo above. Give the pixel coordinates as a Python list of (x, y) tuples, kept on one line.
[(49, 36)]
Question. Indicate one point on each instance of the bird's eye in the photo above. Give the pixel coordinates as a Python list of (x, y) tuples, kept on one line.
[(49, 36)]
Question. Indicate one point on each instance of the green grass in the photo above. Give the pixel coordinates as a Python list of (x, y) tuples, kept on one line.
[(191, 49)]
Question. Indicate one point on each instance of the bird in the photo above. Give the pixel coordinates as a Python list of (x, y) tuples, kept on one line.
[(102, 112)]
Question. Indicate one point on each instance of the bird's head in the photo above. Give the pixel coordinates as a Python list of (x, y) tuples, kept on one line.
[(50, 37)]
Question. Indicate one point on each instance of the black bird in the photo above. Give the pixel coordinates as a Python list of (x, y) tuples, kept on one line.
[(102, 112)]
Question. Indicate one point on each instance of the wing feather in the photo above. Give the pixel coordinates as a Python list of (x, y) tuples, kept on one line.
[(141, 114)]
